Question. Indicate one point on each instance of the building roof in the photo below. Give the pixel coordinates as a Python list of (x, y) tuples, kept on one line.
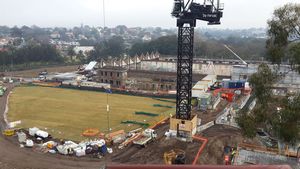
[(90, 66), (113, 69)]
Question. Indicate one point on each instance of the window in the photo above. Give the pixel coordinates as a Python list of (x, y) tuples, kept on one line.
[(118, 74), (105, 73), (101, 73), (111, 82), (111, 73), (106, 81), (101, 80), (161, 86)]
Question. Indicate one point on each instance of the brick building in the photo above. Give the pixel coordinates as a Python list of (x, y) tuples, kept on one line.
[(120, 77), (154, 80), (115, 76)]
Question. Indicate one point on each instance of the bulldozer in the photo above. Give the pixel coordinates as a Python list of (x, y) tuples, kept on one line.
[(175, 156)]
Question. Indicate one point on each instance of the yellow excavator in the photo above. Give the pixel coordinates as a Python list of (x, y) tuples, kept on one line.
[(9, 132), (175, 156)]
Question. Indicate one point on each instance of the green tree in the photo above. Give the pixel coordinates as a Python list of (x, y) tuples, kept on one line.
[(166, 45), (287, 121), (261, 115), (80, 56), (112, 47), (247, 124), (71, 53), (262, 82), (283, 30)]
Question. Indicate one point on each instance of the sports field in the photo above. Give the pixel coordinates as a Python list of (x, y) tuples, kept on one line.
[(66, 113)]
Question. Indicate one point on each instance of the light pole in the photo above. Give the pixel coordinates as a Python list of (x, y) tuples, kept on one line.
[(107, 111), (108, 91)]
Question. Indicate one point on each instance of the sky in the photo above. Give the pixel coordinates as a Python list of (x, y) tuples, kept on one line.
[(238, 14)]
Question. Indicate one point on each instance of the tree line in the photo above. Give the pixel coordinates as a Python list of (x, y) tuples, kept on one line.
[(33, 53), (247, 48), (279, 116)]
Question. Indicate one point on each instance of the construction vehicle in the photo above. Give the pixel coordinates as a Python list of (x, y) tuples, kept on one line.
[(292, 151), (9, 132), (187, 13), (2, 90), (175, 156), (147, 136), (1, 93), (229, 153)]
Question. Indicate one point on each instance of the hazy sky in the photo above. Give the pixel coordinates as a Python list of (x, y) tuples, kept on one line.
[(144, 13)]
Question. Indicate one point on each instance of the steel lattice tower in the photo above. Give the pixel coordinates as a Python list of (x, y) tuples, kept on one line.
[(187, 12), (184, 71)]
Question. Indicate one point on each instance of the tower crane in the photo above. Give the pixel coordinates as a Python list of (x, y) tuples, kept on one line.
[(244, 62), (187, 13)]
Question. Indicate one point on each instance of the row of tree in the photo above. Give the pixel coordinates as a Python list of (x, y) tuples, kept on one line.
[(279, 116), (248, 48), (30, 54)]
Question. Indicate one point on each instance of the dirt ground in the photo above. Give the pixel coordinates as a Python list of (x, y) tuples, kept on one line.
[(220, 136), (14, 157), (211, 114), (34, 72), (154, 152)]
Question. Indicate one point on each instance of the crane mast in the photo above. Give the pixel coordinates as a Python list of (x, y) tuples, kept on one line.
[(187, 13)]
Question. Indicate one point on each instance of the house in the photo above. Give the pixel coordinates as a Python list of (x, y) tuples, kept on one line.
[(84, 49)]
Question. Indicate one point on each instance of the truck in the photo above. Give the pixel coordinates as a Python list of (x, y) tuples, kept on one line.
[(147, 136), (2, 90)]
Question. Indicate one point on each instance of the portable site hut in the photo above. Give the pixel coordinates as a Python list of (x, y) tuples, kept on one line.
[(204, 100), (211, 79), (199, 88), (233, 84)]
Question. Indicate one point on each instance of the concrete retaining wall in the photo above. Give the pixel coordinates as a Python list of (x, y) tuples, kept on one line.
[(205, 126)]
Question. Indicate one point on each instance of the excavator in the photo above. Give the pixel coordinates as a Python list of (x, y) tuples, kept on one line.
[(175, 156)]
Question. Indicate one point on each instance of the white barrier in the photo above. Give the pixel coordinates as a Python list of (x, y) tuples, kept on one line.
[(6, 111), (245, 101), (205, 126)]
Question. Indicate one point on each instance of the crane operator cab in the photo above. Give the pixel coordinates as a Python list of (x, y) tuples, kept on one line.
[(208, 11)]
